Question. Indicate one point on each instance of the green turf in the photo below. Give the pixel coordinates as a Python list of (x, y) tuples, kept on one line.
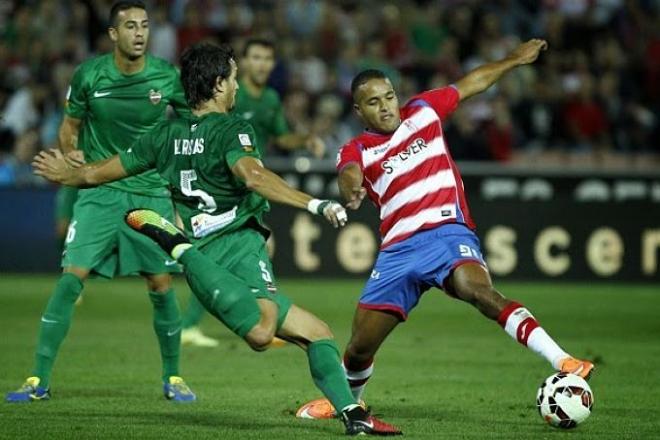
[(447, 373)]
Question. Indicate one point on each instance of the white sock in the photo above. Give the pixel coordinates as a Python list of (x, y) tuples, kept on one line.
[(519, 323), (357, 380)]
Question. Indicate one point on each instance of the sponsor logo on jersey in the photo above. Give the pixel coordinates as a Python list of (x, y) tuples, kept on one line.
[(248, 115), (416, 147), (98, 94), (245, 141), (155, 96)]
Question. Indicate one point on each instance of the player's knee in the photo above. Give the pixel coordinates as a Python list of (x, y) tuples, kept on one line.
[(473, 292), (159, 283), (81, 273), (259, 338)]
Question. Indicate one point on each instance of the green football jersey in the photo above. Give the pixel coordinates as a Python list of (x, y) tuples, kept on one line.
[(195, 155), (265, 113), (117, 109)]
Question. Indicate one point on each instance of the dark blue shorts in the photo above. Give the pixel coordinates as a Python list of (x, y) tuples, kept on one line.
[(407, 269)]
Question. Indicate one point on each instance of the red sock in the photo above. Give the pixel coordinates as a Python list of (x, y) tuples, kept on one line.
[(519, 323), (358, 375)]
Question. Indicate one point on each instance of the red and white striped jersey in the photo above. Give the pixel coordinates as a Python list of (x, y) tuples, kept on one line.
[(409, 174)]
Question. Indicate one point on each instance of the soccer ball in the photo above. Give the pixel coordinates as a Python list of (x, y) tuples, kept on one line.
[(564, 400)]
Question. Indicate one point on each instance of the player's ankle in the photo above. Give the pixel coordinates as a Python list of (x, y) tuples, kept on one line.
[(349, 407), (179, 249)]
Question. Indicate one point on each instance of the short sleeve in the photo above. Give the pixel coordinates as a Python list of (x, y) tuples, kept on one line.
[(240, 143), (280, 126), (178, 99), (443, 100), (349, 153), (142, 155), (75, 105)]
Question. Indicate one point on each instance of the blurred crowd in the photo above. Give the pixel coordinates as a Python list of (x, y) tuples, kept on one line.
[(592, 99)]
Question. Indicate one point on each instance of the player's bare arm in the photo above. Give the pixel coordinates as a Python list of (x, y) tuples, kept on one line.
[(275, 189), (485, 76), (350, 186), (54, 167), (68, 140)]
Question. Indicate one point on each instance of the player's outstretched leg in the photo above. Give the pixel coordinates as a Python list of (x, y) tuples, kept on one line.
[(55, 323), (471, 283), (221, 293), (159, 229), (313, 335)]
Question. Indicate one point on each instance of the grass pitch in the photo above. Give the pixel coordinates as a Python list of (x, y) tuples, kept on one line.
[(446, 373)]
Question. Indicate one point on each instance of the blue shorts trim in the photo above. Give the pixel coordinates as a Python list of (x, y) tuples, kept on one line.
[(405, 270)]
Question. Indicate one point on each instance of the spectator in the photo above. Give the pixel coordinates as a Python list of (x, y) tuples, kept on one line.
[(587, 126), (328, 124), (597, 87), (16, 169)]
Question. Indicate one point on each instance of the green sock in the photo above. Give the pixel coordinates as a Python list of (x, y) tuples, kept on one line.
[(55, 324), (167, 324), (328, 375), (193, 313), (222, 293)]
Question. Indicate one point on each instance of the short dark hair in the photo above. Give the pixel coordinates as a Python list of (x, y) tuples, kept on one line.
[(364, 76), (257, 42), (123, 5), (201, 64)]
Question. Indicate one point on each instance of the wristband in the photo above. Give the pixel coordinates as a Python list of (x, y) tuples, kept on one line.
[(314, 205)]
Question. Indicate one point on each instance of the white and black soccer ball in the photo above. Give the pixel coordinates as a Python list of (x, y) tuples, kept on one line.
[(564, 400)]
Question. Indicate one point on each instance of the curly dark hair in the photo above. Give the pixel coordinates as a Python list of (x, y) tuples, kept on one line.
[(201, 64)]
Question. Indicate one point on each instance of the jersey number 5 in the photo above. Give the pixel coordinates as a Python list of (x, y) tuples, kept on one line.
[(206, 202)]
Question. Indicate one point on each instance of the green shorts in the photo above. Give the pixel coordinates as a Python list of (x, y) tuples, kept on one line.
[(64, 200), (99, 240), (244, 254)]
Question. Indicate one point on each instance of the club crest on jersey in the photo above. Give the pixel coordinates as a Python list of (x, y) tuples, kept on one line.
[(410, 125), (155, 96)]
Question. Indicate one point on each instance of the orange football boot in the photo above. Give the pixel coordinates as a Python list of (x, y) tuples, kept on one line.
[(320, 409), (575, 366)]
